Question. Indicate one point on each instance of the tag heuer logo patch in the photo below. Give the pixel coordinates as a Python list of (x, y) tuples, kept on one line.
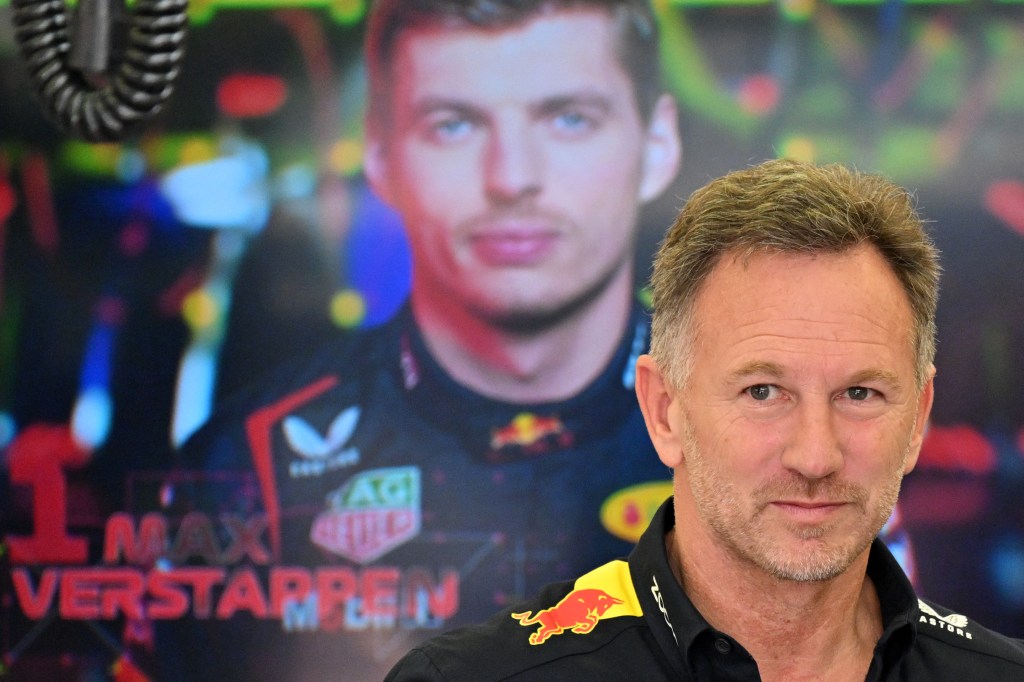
[(372, 514)]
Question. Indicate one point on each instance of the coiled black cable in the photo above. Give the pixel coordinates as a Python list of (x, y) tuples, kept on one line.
[(94, 106)]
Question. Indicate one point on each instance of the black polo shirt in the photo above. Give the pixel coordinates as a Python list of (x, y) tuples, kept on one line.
[(630, 620)]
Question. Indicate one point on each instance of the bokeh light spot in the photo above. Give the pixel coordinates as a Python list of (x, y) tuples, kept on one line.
[(98, 160), (936, 36), (91, 417), (8, 200), (798, 149), (166, 495), (251, 95), (199, 309), (295, 181), (1007, 566), (348, 308), (111, 310), (8, 429), (133, 239), (797, 10), (197, 150), (348, 11), (346, 156), (758, 94), (913, 153), (1005, 200), (131, 166)]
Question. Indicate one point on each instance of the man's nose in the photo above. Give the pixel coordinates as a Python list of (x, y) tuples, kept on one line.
[(815, 451), (513, 164)]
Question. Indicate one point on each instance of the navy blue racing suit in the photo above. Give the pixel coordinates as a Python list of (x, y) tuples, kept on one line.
[(382, 503)]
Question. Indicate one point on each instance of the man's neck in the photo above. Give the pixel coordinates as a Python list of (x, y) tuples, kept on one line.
[(794, 630), (548, 364)]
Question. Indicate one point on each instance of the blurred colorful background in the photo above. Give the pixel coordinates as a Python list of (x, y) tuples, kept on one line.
[(141, 281)]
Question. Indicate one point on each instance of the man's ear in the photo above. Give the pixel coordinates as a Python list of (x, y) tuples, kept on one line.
[(924, 410), (663, 149), (657, 401), (375, 166)]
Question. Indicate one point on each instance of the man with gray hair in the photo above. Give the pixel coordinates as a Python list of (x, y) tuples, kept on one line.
[(788, 387)]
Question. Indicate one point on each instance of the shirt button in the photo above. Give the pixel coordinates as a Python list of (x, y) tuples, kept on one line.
[(722, 646)]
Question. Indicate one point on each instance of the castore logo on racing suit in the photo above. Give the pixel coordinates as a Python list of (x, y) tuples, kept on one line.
[(321, 453)]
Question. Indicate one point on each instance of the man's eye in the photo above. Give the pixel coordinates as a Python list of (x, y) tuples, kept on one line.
[(453, 127), (450, 129), (859, 393), (573, 122), (763, 391)]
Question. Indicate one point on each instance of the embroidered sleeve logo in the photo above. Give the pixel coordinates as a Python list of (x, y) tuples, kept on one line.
[(590, 601)]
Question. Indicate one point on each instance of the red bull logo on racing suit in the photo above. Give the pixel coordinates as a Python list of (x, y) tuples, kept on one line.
[(529, 434)]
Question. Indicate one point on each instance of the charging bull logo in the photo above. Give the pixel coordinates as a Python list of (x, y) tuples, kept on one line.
[(529, 434), (579, 611)]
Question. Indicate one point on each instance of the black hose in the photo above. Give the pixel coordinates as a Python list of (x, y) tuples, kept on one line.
[(140, 84)]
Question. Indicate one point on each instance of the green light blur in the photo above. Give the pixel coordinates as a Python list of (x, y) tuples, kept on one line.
[(826, 101), (947, 79), (353, 11), (817, 146), (689, 77), (342, 11), (1006, 44), (908, 154)]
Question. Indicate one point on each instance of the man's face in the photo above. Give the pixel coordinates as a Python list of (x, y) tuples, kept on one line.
[(517, 159), (802, 412)]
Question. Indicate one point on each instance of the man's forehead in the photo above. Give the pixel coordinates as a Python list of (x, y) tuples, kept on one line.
[(550, 18), (846, 295), (549, 54)]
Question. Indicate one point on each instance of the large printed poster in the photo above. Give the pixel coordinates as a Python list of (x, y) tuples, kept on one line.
[(335, 352)]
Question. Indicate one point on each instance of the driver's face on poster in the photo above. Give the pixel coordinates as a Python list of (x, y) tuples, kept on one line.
[(516, 159)]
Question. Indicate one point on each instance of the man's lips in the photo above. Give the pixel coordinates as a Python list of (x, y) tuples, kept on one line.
[(808, 510), (513, 247)]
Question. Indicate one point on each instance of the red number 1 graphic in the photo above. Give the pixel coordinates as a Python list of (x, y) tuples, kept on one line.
[(38, 457)]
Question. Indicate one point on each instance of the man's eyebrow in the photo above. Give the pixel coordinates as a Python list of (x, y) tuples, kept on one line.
[(557, 103), (544, 107), (431, 105), (876, 376), (766, 369), (771, 370)]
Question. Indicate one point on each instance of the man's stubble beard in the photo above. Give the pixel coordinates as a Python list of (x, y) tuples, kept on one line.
[(750, 539), (533, 318)]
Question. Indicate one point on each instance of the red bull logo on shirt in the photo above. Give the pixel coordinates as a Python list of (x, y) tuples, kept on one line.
[(578, 612), (606, 592)]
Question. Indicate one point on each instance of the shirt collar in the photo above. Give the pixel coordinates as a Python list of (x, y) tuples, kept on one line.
[(500, 431), (682, 632), (899, 608)]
